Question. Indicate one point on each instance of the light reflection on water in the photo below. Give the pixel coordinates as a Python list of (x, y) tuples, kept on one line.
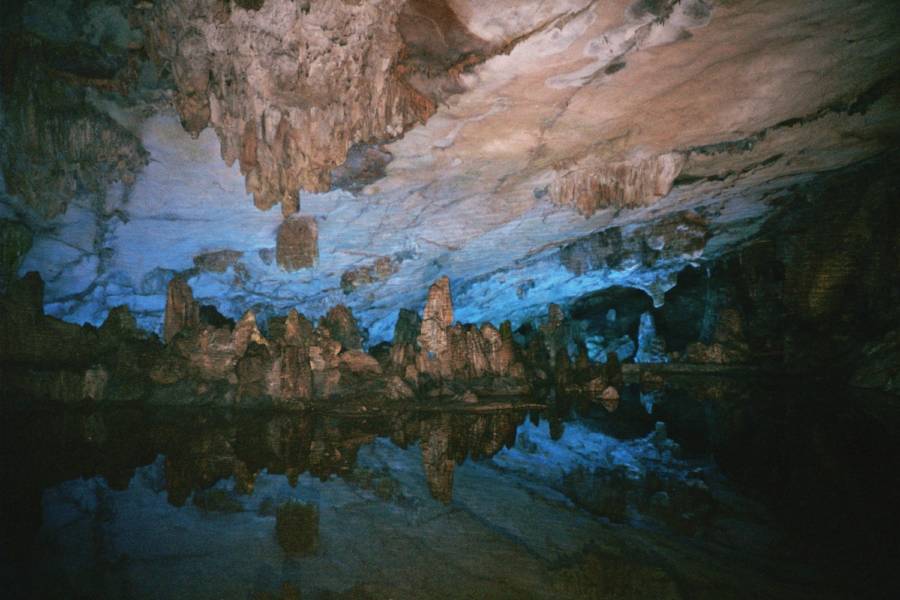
[(575, 501)]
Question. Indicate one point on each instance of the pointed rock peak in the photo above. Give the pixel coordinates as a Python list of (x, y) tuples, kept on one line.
[(488, 329), (246, 331), (439, 306), (407, 328), (297, 328), (555, 314), (182, 312), (120, 321), (343, 327)]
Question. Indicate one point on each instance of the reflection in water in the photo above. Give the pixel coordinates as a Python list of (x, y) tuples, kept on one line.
[(637, 500)]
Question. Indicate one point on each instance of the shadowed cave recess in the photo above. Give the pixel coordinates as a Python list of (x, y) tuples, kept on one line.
[(449, 299)]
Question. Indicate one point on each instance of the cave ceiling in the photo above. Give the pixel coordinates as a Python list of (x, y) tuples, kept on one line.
[(282, 153)]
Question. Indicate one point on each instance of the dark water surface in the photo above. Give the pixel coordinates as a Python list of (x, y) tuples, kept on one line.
[(707, 488)]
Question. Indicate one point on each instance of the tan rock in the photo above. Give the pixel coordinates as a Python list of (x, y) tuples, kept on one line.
[(594, 185), (434, 337), (294, 373), (297, 243), (182, 312), (246, 332), (298, 331), (343, 327), (360, 362), (289, 88)]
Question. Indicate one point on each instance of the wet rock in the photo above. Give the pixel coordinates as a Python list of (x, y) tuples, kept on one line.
[(461, 352), (27, 336), (601, 491), (290, 374), (880, 364), (120, 323), (728, 345), (209, 352), (612, 371), (182, 312), (210, 315), (556, 333), (297, 243), (612, 320), (297, 528), (298, 331), (438, 464), (397, 389), (293, 378), (364, 165), (609, 398)]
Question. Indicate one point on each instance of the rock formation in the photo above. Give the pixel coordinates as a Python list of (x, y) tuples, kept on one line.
[(594, 185), (288, 86), (460, 352), (55, 143), (340, 323), (182, 312), (297, 243), (434, 336)]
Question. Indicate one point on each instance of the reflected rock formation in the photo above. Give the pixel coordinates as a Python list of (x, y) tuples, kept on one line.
[(201, 449)]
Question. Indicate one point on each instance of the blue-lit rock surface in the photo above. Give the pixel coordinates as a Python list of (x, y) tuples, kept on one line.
[(186, 204), (670, 164)]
